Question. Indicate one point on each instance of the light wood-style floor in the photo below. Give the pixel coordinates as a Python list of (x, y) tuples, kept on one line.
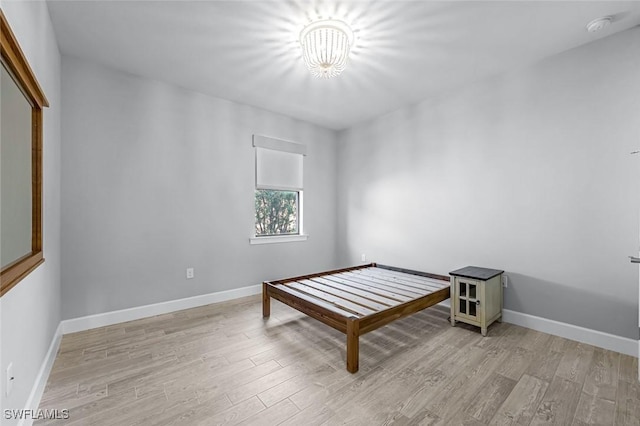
[(223, 364)]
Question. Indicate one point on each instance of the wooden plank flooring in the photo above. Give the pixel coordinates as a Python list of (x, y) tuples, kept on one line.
[(223, 364)]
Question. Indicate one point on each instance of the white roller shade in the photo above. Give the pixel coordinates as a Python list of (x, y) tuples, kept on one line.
[(278, 164)]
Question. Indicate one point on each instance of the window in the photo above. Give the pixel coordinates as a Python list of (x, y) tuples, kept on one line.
[(21, 106), (279, 188), (276, 212)]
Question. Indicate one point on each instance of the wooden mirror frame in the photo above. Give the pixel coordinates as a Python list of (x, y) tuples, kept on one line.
[(15, 61)]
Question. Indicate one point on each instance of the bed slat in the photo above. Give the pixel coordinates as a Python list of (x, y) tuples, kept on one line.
[(369, 288), (367, 303), (386, 285), (367, 293), (409, 286), (343, 304), (413, 273), (409, 278), (395, 279)]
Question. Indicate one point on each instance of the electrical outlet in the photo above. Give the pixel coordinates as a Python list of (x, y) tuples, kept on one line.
[(10, 379), (364, 257), (190, 273), (505, 281)]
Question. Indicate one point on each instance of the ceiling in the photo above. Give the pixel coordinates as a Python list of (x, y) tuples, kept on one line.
[(405, 52)]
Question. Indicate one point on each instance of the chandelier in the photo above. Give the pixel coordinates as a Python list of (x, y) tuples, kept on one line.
[(325, 47)]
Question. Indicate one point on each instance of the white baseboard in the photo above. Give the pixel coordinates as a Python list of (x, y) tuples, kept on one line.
[(124, 315), (569, 331), (33, 402), (593, 337)]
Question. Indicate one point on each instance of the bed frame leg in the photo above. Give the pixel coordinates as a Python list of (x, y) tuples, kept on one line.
[(266, 302), (353, 337)]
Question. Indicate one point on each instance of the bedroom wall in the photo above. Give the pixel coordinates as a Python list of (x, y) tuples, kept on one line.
[(528, 172), (30, 312), (157, 179)]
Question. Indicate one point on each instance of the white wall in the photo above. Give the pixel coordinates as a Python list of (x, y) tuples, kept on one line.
[(30, 312), (157, 179), (528, 172)]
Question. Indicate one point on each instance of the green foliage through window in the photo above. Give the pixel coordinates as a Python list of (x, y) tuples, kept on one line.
[(276, 212)]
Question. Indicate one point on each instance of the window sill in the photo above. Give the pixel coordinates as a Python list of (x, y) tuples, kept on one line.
[(278, 239)]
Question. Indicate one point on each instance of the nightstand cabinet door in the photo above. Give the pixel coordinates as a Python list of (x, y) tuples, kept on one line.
[(468, 299)]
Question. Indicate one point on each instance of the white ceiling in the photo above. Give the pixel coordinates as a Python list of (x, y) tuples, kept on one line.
[(406, 51)]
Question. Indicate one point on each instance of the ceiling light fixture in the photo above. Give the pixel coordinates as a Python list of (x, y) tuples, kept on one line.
[(599, 24), (325, 47)]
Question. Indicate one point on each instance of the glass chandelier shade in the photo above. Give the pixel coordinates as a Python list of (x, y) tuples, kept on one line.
[(325, 47)]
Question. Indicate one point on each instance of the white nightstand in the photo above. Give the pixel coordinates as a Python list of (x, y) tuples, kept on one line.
[(476, 296)]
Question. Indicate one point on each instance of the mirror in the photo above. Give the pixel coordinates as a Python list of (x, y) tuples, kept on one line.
[(21, 104), (15, 171)]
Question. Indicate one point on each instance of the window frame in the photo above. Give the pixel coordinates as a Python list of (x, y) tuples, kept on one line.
[(17, 65), (266, 142)]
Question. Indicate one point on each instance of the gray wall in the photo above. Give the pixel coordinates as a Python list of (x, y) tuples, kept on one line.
[(529, 172), (30, 312), (157, 179)]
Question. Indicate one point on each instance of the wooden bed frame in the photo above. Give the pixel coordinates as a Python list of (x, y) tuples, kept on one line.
[(359, 299)]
